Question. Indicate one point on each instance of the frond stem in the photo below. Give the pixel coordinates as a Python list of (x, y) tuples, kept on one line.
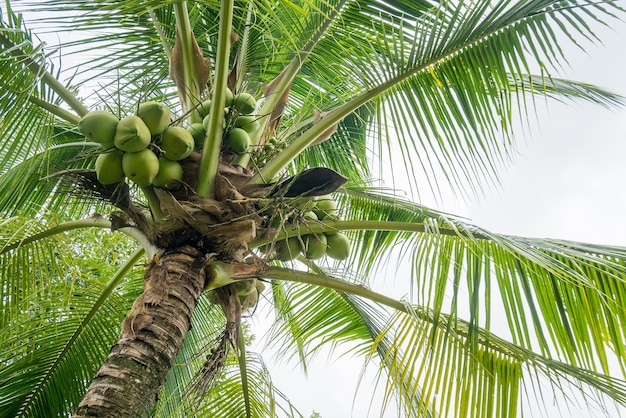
[(91, 222), (50, 80), (455, 325), (55, 110), (184, 34), (334, 226), (153, 202), (213, 141)]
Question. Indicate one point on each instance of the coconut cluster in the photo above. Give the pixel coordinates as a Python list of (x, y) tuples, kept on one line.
[(239, 122), (248, 292), (147, 147), (312, 246), (144, 147)]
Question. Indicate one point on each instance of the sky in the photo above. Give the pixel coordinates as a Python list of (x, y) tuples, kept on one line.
[(566, 182)]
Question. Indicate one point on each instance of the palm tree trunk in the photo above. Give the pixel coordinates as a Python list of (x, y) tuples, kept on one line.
[(128, 383)]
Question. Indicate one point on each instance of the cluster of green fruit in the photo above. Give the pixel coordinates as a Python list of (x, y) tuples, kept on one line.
[(267, 151), (315, 245), (144, 147), (248, 292), (239, 122)]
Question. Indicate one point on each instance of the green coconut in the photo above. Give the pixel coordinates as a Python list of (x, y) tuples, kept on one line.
[(155, 115), (132, 134), (206, 119), (314, 246), (238, 140), (141, 167), (176, 143), (99, 126), (244, 103), (197, 133), (170, 172), (245, 287), (204, 108), (288, 249), (109, 167), (248, 123), (337, 246), (228, 101), (324, 206)]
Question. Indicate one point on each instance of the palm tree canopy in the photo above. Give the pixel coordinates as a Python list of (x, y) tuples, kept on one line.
[(438, 85)]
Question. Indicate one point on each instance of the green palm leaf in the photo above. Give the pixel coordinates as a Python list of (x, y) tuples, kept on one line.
[(58, 322), (563, 283)]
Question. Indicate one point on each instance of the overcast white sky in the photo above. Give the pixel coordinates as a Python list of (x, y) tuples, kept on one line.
[(567, 182)]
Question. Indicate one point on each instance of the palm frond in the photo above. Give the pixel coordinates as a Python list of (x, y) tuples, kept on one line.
[(28, 188), (309, 318), (59, 316), (265, 400), (442, 82), (418, 346), (549, 288), (568, 90)]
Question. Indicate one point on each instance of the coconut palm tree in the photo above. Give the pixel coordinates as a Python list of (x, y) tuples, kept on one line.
[(131, 261)]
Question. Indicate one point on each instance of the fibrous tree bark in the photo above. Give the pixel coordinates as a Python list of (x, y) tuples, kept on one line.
[(128, 382)]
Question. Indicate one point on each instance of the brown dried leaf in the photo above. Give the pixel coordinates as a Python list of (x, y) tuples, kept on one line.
[(135, 323), (327, 133), (177, 73), (277, 112), (233, 238), (232, 76)]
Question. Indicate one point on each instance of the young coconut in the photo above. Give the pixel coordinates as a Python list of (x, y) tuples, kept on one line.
[(337, 246), (99, 126), (248, 123), (228, 101), (197, 133), (109, 167), (325, 206), (132, 134), (170, 172), (155, 115), (314, 246), (204, 108), (245, 287), (176, 143), (141, 167), (250, 300), (238, 140), (288, 249), (244, 103)]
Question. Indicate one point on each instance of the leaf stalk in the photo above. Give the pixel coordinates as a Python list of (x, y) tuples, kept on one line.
[(212, 143), (40, 71)]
